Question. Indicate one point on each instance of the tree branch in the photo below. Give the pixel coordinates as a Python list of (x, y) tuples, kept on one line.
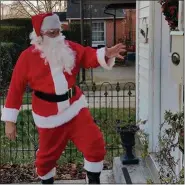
[(32, 6), (44, 5), (24, 7), (56, 2), (16, 6)]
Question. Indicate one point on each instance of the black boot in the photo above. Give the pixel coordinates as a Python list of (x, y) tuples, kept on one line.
[(48, 181), (94, 178)]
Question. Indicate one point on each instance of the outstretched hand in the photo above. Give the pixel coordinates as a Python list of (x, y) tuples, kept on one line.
[(115, 51)]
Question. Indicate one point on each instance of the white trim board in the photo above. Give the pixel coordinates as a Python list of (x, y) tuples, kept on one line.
[(155, 74), (137, 59)]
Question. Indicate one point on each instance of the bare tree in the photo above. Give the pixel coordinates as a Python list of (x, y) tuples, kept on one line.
[(27, 8)]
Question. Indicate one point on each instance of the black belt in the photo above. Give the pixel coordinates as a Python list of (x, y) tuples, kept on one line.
[(56, 98)]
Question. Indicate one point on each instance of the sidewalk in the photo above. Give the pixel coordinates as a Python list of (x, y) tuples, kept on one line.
[(105, 178), (117, 74)]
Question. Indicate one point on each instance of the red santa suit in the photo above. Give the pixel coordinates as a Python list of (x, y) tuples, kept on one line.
[(57, 122)]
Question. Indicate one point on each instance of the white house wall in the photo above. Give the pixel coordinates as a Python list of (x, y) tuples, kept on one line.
[(156, 90), (170, 91), (169, 88), (142, 64)]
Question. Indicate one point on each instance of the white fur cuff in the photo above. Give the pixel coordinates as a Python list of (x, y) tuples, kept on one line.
[(93, 166), (9, 114), (101, 59), (50, 174), (60, 119)]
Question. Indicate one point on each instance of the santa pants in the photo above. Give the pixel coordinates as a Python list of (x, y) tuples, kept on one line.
[(83, 132)]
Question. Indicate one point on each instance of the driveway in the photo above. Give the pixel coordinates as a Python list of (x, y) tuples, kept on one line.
[(117, 74)]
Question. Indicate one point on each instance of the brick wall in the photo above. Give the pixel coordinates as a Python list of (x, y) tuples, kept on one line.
[(123, 26), (110, 31), (130, 24)]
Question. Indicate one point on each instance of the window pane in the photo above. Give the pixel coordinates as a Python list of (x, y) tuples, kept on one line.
[(102, 26), (98, 31)]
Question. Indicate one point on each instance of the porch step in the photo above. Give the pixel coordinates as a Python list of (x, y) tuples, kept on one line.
[(105, 178), (82, 181), (127, 174)]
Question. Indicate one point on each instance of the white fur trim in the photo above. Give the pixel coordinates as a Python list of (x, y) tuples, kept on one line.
[(51, 22), (61, 86), (50, 174), (39, 40), (59, 119), (35, 39), (93, 166), (101, 59), (9, 114)]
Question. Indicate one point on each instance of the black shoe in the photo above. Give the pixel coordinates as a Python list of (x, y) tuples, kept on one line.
[(94, 178), (48, 181)]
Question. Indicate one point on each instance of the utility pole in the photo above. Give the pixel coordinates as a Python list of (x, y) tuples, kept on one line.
[(115, 26), (82, 30), (0, 9)]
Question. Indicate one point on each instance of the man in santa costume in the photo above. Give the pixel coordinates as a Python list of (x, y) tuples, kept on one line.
[(50, 66)]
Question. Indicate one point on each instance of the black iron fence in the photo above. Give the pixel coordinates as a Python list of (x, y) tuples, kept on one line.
[(107, 103)]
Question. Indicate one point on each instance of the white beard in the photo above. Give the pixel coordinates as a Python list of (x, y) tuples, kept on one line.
[(57, 53)]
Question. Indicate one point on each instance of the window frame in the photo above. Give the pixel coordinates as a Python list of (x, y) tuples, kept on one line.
[(103, 42)]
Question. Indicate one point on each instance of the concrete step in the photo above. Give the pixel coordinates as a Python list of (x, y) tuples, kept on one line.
[(135, 174), (71, 182), (105, 178)]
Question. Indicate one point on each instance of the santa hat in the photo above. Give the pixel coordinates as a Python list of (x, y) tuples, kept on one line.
[(45, 21)]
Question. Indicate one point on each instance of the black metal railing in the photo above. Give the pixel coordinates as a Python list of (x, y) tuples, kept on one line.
[(107, 103)]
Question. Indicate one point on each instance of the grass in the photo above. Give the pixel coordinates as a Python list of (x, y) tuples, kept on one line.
[(23, 149)]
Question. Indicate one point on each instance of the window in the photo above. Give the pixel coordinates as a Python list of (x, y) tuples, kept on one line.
[(98, 33)]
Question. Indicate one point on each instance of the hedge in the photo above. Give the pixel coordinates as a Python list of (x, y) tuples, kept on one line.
[(15, 34), (9, 53), (17, 22), (74, 33), (16, 30)]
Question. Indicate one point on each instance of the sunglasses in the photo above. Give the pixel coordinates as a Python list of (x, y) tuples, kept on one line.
[(51, 33)]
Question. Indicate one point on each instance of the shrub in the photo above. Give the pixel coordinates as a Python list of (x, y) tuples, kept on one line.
[(17, 22), (16, 30), (14, 34), (9, 53), (74, 33)]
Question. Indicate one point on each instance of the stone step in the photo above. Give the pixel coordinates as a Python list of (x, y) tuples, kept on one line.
[(131, 174), (82, 181), (105, 178)]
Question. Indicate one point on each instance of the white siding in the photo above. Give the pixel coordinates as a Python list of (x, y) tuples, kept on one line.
[(142, 63), (156, 90), (169, 88)]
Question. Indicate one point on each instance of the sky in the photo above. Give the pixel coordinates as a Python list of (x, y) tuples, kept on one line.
[(6, 2)]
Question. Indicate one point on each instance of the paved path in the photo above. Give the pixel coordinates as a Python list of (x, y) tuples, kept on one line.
[(117, 74), (137, 173), (105, 178)]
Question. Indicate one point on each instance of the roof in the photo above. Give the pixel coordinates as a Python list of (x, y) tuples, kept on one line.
[(92, 11)]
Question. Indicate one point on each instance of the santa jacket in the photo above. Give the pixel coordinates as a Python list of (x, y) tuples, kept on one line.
[(31, 69)]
